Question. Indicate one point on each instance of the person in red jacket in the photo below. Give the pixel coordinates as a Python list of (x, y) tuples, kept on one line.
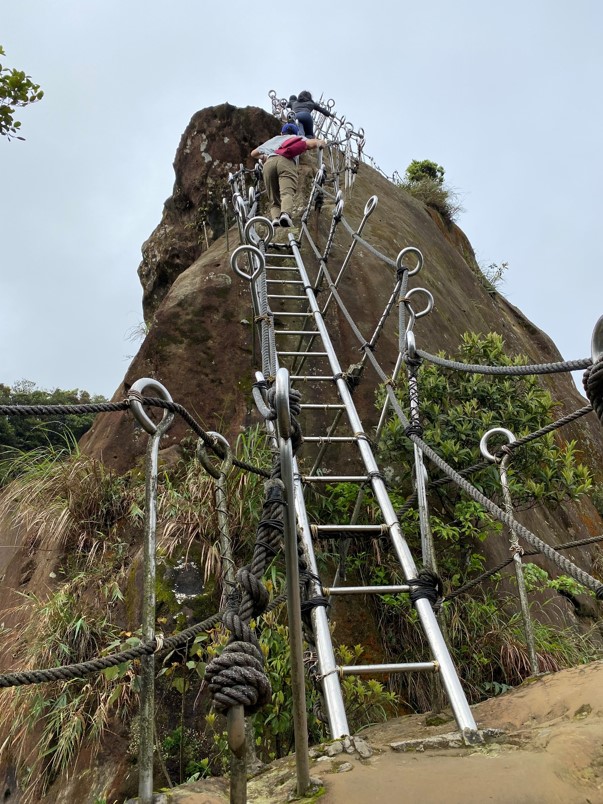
[(281, 173)]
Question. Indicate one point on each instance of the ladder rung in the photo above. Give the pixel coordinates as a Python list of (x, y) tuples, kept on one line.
[(282, 267), (351, 528), (334, 478), (366, 590), (280, 313), (370, 669), (317, 377), (330, 439), (280, 296), (295, 332), (317, 406), (284, 282), (306, 354)]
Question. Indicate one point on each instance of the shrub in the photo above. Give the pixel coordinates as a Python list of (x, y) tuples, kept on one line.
[(424, 180)]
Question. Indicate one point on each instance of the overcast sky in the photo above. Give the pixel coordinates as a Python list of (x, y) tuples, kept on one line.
[(506, 96)]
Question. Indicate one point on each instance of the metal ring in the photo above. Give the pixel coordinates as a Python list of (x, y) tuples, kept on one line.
[(255, 254), (361, 133), (430, 301), (370, 205), (330, 103), (338, 211), (251, 196), (203, 456), (403, 253), (483, 444), (272, 94), (597, 341), (252, 236), (281, 402), (136, 405)]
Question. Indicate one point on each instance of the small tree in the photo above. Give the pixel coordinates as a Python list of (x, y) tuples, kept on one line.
[(424, 169), (16, 90)]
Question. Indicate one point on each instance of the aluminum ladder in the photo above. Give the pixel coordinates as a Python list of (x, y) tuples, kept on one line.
[(295, 336)]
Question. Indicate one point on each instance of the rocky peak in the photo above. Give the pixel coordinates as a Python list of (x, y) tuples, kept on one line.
[(216, 141)]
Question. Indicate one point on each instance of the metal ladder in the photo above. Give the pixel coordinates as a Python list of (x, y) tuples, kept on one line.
[(296, 337)]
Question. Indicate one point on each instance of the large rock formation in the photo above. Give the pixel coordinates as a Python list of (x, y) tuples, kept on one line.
[(198, 312)]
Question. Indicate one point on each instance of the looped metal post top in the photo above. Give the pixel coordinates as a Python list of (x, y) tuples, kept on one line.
[(483, 444), (256, 262), (203, 455), (400, 259), (136, 405), (597, 342), (258, 228), (413, 315)]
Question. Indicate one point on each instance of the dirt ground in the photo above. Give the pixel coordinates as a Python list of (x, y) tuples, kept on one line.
[(551, 750)]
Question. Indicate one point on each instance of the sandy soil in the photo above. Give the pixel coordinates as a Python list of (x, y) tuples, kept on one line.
[(551, 751)]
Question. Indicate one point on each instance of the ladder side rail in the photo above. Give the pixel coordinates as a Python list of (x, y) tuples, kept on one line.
[(439, 649), (327, 665)]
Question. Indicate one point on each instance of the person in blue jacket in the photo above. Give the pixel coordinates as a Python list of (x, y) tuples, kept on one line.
[(303, 106)]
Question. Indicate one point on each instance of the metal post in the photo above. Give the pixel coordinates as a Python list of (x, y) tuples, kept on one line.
[(300, 718), (235, 719), (515, 546), (147, 675)]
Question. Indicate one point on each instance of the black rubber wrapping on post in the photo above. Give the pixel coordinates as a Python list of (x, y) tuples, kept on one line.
[(599, 593), (593, 386), (414, 429), (428, 584), (313, 603)]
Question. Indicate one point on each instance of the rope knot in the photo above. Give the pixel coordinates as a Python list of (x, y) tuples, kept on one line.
[(427, 584)]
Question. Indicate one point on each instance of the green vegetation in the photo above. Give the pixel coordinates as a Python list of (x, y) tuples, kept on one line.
[(418, 171), (457, 408), (424, 180), (16, 91), (46, 725), (21, 434), (93, 519)]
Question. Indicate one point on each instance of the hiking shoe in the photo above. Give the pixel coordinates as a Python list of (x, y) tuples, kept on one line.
[(276, 222), (285, 220)]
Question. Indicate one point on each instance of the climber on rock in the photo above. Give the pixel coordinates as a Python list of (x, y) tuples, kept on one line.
[(280, 157), (303, 105)]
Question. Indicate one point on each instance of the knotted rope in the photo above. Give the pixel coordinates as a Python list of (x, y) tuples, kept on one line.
[(237, 676)]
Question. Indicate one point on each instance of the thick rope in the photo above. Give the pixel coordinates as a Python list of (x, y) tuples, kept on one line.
[(157, 645), (237, 676), (488, 573), (372, 249), (476, 368), (566, 566), (112, 407)]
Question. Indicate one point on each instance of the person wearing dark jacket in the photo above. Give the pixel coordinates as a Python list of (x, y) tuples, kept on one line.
[(303, 106)]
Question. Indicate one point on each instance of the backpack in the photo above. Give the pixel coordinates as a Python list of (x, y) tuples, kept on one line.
[(292, 147)]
